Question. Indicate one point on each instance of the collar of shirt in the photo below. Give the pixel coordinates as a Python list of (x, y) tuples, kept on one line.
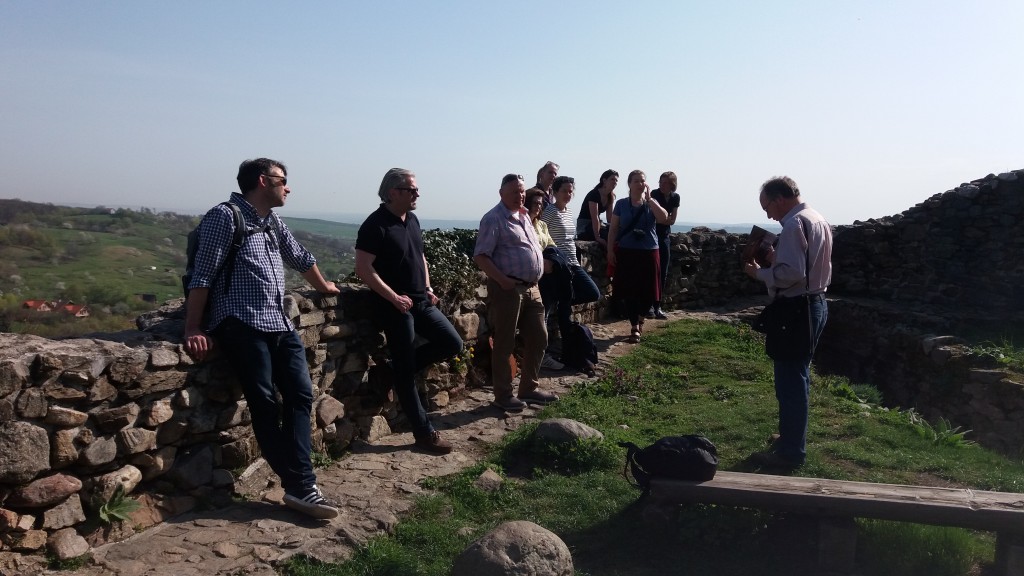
[(789, 215)]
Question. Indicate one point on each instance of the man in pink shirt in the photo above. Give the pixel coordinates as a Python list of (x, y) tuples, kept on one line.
[(508, 252)]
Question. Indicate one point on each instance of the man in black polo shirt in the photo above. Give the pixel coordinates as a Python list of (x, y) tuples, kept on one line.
[(389, 259)]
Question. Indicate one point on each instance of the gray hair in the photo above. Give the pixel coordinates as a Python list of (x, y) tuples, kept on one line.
[(393, 179)]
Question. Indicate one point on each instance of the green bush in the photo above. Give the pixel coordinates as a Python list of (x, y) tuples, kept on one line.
[(453, 274)]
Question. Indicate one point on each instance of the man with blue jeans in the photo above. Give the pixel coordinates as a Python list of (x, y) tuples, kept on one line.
[(800, 267), (389, 259), (247, 318)]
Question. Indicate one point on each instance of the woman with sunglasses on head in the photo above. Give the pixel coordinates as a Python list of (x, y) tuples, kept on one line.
[(598, 201), (633, 251)]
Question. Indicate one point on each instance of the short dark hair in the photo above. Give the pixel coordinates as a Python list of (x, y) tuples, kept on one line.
[(562, 181), (780, 187), (249, 172), (672, 180)]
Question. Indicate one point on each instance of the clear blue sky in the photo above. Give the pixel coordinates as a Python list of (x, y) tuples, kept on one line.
[(871, 106)]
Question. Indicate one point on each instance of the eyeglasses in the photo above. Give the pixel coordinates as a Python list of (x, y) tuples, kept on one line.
[(511, 178), (284, 179), (409, 189)]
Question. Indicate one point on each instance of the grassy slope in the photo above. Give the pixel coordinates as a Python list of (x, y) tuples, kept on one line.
[(704, 378), (131, 251)]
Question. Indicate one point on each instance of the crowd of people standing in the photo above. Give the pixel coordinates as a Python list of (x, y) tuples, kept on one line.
[(526, 246)]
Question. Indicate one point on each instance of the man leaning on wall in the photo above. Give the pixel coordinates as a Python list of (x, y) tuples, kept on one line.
[(247, 319)]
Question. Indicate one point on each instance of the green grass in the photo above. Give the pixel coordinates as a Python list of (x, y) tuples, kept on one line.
[(712, 379)]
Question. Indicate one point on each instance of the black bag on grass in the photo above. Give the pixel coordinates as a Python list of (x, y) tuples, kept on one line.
[(689, 457)]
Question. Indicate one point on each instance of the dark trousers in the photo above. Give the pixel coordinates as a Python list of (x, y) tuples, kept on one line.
[(664, 253), (584, 291), (401, 329), (269, 362), (793, 388)]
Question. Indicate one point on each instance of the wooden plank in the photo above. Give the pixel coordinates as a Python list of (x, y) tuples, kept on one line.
[(967, 508)]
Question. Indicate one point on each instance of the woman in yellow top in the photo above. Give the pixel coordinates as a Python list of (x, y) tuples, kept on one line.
[(534, 206)]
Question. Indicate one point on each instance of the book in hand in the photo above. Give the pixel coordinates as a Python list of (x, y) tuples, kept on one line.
[(759, 245)]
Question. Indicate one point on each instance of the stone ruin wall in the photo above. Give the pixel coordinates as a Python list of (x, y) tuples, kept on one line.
[(80, 417), (906, 286)]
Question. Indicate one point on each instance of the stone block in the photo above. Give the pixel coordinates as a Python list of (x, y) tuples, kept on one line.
[(67, 513), (28, 541), (100, 451), (114, 419), (101, 391), (128, 366), (44, 492), (327, 410), (157, 413), (234, 415), (163, 358), (63, 449), (192, 468), (14, 375), (103, 487), (24, 451), (65, 417), (31, 403), (135, 440), (67, 544)]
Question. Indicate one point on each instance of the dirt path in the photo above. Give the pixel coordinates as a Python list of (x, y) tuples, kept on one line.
[(374, 485)]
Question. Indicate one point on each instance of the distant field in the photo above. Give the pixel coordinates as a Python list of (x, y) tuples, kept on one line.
[(102, 257), (323, 227)]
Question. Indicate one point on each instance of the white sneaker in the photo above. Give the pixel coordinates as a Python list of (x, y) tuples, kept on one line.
[(550, 363), (312, 504)]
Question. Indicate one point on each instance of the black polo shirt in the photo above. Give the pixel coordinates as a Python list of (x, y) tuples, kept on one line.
[(398, 247)]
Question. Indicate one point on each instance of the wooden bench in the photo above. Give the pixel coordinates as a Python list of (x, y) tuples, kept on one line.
[(837, 502)]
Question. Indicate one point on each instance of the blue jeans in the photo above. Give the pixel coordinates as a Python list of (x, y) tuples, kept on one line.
[(266, 362), (664, 253), (584, 291), (401, 329), (792, 390)]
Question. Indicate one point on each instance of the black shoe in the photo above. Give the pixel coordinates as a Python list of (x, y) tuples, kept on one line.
[(659, 314), (650, 313)]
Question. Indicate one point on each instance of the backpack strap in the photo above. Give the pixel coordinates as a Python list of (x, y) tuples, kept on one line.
[(641, 479), (241, 233)]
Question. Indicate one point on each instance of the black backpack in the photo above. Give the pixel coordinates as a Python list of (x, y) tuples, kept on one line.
[(578, 348), (240, 234), (689, 457)]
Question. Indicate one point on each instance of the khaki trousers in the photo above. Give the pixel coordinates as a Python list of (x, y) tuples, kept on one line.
[(509, 310)]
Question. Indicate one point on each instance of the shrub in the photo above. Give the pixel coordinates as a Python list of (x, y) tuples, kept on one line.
[(453, 275)]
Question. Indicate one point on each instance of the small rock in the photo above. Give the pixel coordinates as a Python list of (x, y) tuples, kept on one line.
[(66, 544)]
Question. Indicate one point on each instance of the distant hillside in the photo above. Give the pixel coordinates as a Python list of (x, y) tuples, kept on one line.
[(105, 256)]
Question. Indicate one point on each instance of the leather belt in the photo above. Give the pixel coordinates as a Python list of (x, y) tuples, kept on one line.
[(523, 282)]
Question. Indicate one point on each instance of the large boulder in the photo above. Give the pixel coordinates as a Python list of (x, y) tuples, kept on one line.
[(565, 431), (517, 548)]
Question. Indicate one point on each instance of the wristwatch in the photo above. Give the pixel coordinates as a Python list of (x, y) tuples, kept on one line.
[(430, 290)]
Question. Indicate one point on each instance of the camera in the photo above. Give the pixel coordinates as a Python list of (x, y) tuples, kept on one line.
[(638, 234)]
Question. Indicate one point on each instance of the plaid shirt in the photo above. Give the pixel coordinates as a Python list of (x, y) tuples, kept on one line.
[(256, 295), (508, 238)]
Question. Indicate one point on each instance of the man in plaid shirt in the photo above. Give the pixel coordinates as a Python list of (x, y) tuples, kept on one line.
[(247, 318)]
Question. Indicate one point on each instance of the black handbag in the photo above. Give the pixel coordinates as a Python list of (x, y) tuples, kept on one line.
[(786, 324)]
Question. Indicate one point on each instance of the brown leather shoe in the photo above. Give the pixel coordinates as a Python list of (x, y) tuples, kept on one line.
[(434, 444)]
